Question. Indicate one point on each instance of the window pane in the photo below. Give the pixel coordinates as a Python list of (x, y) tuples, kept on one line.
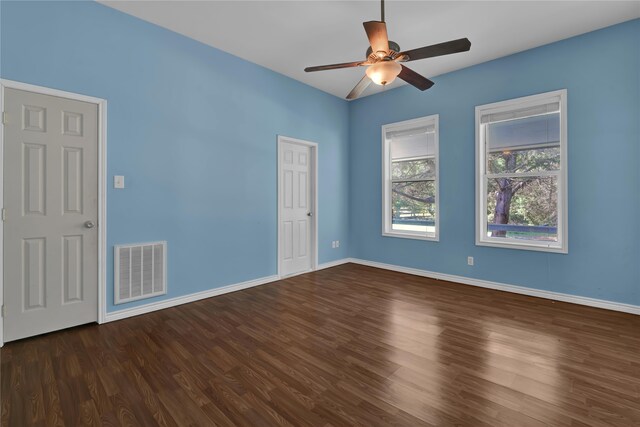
[(523, 208), (533, 160), (525, 144), (414, 169), (413, 206)]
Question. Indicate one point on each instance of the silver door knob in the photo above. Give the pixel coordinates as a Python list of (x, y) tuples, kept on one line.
[(89, 224), (309, 213)]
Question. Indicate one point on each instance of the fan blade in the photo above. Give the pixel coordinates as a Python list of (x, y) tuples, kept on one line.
[(335, 66), (446, 48), (415, 79), (359, 88), (377, 34)]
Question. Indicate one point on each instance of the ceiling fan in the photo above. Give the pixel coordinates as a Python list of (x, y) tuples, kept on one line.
[(384, 59)]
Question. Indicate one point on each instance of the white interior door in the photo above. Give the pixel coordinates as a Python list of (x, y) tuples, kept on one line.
[(297, 197), (51, 201)]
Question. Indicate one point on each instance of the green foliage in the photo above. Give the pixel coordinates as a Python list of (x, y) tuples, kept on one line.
[(413, 199), (534, 160), (535, 203), (534, 200), (413, 169)]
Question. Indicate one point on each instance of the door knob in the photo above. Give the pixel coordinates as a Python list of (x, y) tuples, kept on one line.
[(309, 213), (89, 224)]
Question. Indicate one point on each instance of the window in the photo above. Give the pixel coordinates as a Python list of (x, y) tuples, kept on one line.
[(410, 174), (521, 153)]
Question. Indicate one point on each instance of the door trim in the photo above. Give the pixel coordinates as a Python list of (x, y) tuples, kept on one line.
[(102, 186), (314, 197)]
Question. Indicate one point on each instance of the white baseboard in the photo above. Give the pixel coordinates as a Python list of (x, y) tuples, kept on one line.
[(172, 302), (556, 296), (333, 263)]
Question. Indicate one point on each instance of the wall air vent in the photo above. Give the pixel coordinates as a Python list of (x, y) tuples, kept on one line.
[(140, 271)]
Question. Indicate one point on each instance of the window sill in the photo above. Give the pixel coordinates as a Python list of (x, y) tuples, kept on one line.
[(401, 235), (522, 246)]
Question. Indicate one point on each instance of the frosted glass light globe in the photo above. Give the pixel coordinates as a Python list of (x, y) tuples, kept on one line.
[(384, 72)]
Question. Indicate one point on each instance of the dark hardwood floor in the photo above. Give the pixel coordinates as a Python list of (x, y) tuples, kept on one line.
[(351, 345)]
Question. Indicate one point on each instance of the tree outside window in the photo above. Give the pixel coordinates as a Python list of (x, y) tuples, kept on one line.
[(522, 173)]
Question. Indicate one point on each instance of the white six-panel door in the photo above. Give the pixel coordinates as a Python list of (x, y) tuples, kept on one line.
[(297, 187), (51, 199)]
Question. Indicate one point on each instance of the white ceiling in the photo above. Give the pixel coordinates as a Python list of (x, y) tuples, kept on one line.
[(287, 36)]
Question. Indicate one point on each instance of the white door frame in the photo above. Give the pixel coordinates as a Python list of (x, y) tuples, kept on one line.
[(102, 186), (314, 197)]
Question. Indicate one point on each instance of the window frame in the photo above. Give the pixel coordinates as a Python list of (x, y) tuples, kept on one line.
[(387, 229), (562, 246)]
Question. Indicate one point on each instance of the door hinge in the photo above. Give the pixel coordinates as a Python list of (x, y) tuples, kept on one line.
[(5, 118), (2, 311), (4, 214)]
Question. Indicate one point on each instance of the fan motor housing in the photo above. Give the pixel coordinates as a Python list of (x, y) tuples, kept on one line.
[(392, 46)]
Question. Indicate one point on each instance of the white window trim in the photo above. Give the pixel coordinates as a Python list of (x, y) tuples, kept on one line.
[(386, 178), (563, 206)]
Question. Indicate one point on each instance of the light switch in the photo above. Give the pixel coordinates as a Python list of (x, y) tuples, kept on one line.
[(118, 181)]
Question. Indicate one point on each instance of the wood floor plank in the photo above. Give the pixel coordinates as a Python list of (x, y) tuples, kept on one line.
[(351, 345)]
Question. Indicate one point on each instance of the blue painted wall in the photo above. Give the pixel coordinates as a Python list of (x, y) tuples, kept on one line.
[(601, 71), (193, 129)]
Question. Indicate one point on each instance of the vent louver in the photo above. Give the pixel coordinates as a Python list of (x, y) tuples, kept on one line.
[(139, 271)]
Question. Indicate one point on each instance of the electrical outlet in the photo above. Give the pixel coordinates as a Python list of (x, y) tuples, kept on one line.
[(333, 244), (470, 260), (337, 243)]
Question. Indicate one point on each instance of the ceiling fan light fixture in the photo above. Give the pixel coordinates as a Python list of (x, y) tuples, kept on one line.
[(383, 57), (384, 72)]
